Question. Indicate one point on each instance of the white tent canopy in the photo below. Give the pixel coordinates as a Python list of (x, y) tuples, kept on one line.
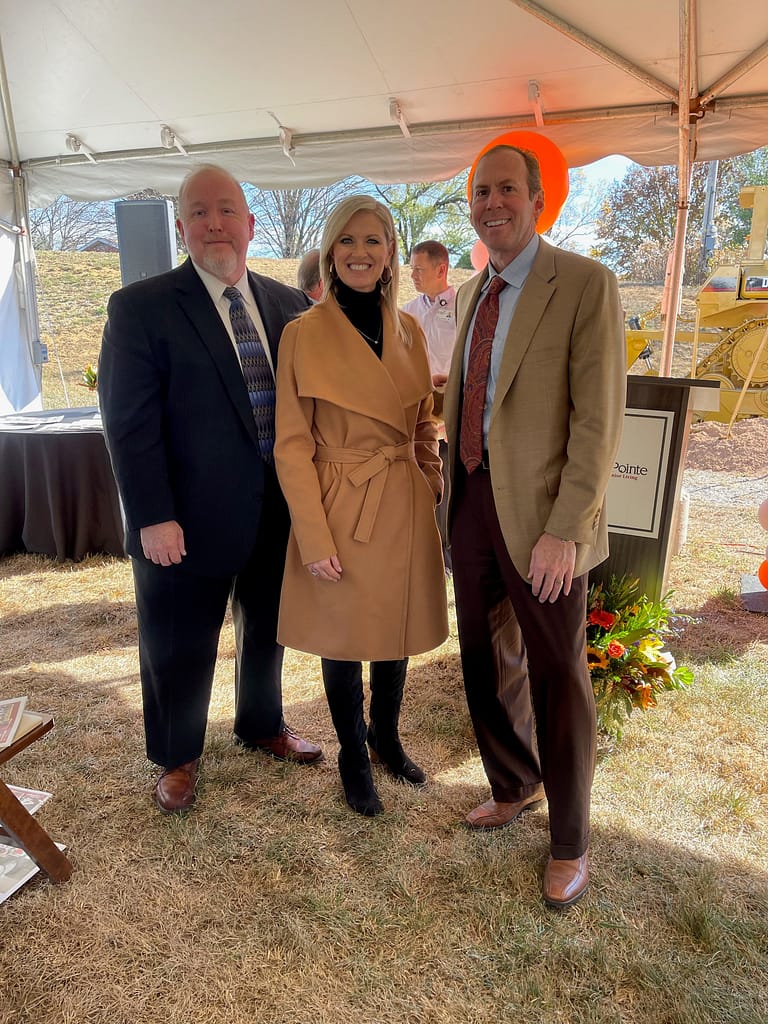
[(288, 92), (101, 98)]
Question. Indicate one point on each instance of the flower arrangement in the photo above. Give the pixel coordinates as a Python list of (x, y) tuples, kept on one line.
[(89, 378), (629, 667)]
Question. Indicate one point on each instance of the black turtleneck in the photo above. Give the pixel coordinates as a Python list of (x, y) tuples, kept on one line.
[(363, 310)]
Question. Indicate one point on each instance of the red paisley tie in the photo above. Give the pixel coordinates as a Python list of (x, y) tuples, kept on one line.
[(471, 438)]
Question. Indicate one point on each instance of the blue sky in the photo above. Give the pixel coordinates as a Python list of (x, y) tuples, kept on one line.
[(609, 168)]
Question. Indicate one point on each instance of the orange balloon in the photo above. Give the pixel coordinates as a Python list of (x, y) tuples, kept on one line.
[(478, 257), (762, 514), (554, 171), (762, 573)]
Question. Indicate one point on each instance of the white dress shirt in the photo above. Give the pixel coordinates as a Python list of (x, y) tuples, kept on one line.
[(216, 287)]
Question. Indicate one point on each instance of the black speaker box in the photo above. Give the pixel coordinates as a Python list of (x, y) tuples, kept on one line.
[(146, 234)]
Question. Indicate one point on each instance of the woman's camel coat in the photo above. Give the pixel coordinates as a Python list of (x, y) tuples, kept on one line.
[(356, 453)]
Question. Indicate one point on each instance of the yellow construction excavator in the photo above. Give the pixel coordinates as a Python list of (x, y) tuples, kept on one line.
[(731, 324)]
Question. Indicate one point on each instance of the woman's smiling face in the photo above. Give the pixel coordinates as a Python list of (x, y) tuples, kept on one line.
[(361, 251)]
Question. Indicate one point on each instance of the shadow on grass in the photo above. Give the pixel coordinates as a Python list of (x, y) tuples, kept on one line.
[(719, 631), (271, 859), (62, 631)]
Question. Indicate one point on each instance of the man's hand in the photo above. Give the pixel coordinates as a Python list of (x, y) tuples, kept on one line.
[(439, 380), (551, 568), (163, 543)]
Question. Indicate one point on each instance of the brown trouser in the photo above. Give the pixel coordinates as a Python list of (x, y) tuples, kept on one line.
[(523, 659)]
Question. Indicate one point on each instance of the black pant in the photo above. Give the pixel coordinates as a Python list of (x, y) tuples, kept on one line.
[(343, 682), (180, 617)]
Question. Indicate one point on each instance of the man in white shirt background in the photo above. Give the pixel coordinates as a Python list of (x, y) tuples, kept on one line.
[(435, 310)]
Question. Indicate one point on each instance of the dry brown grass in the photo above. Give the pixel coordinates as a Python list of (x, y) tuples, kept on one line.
[(74, 288), (272, 902)]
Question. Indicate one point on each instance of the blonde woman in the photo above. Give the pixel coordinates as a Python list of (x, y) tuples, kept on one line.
[(356, 453)]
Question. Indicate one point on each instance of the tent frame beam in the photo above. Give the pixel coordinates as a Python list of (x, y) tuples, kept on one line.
[(662, 111), (565, 28)]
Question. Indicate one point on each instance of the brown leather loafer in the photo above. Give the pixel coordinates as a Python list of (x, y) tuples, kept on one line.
[(493, 814), (287, 746), (175, 789), (565, 881)]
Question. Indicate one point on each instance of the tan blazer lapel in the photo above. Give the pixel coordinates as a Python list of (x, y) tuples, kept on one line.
[(534, 298)]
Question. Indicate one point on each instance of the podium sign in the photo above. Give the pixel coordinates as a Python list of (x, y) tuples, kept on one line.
[(643, 495), (636, 490)]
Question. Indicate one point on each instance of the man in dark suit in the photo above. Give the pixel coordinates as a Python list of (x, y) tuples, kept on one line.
[(189, 430), (534, 411)]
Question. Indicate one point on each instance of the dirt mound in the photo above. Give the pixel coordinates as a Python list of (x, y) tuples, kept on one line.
[(745, 451)]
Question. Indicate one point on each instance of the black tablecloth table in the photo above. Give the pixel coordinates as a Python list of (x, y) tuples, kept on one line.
[(58, 496)]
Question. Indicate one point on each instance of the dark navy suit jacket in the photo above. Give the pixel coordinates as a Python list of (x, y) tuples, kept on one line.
[(177, 419)]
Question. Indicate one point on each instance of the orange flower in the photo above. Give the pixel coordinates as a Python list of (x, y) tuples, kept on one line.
[(600, 618), (615, 649), (645, 693)]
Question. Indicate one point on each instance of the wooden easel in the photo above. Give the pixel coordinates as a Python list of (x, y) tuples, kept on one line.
[(16, 819)]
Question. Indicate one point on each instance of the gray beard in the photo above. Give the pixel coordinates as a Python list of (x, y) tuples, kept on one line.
[(222, 266)]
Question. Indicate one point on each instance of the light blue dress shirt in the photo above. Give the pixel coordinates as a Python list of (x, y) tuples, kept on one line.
[(515, 274)]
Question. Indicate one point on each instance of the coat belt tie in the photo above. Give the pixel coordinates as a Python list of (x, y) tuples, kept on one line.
[(372, 469)]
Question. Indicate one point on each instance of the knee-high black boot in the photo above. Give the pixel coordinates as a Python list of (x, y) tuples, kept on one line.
[(343, 682), (387, 684)]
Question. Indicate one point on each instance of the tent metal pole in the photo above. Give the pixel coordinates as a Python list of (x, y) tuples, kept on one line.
[(25, 278), (27, 275), (686, 139), (5, 99)]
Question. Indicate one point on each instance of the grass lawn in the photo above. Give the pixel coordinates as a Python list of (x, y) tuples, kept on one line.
[(272, 903)]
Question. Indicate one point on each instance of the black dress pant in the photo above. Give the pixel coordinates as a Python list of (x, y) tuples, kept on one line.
[(522, 658), (180, 615), (343, 682)]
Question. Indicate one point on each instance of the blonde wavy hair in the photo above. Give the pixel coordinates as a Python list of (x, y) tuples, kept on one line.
[(337, 221)]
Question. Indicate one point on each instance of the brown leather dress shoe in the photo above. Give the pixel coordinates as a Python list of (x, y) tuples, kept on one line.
[(175, 789), (287, 746), (493, 814), (565, 881)]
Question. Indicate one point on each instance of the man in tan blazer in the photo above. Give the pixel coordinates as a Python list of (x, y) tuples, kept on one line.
[(532, 437)]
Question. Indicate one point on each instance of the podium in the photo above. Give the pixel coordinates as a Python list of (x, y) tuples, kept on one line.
[(643, 498)]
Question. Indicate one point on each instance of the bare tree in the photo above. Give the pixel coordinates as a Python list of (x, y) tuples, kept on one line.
[(70, 224), (430, 209), (573, 227), (289, 221)]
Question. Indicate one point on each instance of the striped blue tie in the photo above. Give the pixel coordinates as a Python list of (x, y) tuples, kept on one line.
[(256, 371)]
